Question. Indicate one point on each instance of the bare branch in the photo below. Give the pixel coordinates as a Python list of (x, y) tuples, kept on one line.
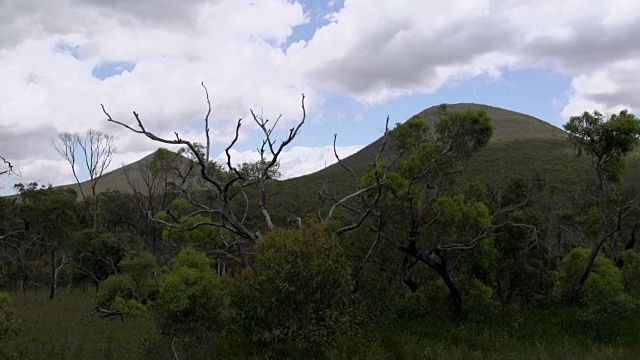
[(206, 121), (226, 186)]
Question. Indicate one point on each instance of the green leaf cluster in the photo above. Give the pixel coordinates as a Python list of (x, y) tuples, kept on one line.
[(298, 295)]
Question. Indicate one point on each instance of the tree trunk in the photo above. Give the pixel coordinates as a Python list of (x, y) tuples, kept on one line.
[(572, 298), (454, 293), (52, 286), (441, 267), (55, 271)]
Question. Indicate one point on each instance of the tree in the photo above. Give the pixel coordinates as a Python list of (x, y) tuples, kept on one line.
[(220, 208), (97, 149), (410, 201), (607, 142), (50, 216), (155, 188)]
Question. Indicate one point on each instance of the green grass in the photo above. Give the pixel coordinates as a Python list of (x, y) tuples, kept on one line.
[(51, 330), (540, 334)]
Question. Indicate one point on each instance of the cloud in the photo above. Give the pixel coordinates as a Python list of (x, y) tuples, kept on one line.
[(297, 160), (377, 51), (150, 57), (60, 60)]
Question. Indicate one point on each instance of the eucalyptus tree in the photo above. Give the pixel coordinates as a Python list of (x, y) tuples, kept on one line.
[(407, 199), (50, 216), (607, 142)]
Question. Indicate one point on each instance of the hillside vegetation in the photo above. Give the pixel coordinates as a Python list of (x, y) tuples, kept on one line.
[(467, 231)]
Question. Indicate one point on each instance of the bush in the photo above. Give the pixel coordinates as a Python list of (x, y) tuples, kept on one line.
[(7, 322), (191, 300), (298, 296), (631, 273), (606, 311), (604, 282), (131, 290)]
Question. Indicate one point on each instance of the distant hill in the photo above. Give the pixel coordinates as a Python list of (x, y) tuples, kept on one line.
[(521, 146), (117, 179)]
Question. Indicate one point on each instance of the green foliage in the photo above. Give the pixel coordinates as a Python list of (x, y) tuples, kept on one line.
[(298, 295), (133, 289), (608, 142), (606, 310), (253, 170), (41, 205), (192, 230), (631, 273), (97, 254), (459, 218), (191, 299), (605, 281), (455, 136), (7, 322)]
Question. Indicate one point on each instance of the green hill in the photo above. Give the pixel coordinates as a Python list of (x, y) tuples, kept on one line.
[(521, 146)]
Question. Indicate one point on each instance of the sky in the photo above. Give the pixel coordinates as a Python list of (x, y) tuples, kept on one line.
[(356, 61)]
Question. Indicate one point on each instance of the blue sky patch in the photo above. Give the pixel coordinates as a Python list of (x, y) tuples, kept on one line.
[(317, 12), (65, 48), (108, 69)]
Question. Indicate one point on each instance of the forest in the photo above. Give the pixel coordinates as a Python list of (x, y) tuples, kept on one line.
[(465, 232)]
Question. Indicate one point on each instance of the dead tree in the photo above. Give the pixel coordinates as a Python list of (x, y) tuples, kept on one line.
[(225, 185), (97, 149)]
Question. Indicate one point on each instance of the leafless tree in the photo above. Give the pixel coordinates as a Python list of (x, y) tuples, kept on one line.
[(97, 149), (226, 185)]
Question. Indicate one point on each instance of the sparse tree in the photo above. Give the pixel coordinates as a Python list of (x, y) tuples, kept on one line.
[(607, 142), (220, 209), (96, 149)]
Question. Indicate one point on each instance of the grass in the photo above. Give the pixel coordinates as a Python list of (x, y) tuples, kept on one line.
[(51, 330), (539, 334)]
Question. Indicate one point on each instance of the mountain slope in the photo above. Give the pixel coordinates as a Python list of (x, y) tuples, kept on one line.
[(521, 146)]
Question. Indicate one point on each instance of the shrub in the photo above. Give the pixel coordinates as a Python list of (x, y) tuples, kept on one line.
[(7, 322), (606, 311), (604, 282), (298, 296), (191, 300), (131, 290)]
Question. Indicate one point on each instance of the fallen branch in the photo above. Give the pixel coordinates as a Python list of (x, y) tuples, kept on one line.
[(100, 313)]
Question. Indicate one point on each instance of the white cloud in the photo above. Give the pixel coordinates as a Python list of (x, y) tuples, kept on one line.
[(379, 50), (297, 160), (46, 69), (373, 51)]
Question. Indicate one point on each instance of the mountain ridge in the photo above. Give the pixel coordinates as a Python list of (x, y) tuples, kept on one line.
[(521, 145)]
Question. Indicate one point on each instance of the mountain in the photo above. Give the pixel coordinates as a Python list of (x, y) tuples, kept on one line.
[(521, 146)]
